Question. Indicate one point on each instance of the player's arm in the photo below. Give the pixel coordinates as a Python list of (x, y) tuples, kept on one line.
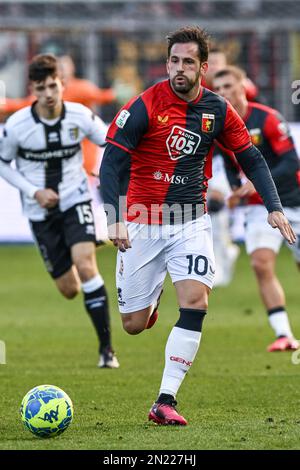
[(123, 136), (114, 172), (46, 197), (97, 95), (277, 133), (93, 127), (11, 105), (236, 137)]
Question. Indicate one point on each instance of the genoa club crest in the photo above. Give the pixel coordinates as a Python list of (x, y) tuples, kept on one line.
[(208, 122)]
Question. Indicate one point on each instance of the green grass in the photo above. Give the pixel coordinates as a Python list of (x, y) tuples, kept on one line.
[(236, 396)]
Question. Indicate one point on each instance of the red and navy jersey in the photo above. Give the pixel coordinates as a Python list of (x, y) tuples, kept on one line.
[(170, 142), (271, 135)]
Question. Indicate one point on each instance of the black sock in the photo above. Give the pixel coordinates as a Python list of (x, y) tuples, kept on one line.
[(96, 305), (166, 399)]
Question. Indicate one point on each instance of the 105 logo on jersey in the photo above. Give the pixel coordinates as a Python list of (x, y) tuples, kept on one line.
[(182, 143)]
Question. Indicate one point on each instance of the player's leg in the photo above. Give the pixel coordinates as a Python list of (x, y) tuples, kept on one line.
[(226, 252), (140, 273), (263, 244), (191, 266), (293, 215), (80, 237), (95, 299), (68, 283), (49, 238)]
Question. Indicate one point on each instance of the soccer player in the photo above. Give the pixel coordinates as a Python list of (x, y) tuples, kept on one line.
[(226, 252), (163, 139), (217, 60), (77, 90), (270, 133), (44, 140)]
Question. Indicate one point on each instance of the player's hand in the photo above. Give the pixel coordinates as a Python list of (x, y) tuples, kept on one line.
[(47, 198), (278, 220), (246, 190), (232, 201), (118, 234)]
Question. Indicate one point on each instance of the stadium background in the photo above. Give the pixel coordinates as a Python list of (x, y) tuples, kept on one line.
[(236, 396)]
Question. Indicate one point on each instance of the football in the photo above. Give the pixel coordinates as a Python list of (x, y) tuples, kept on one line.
[(46, 410)]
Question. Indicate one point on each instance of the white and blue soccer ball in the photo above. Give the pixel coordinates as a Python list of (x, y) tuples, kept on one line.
[(46, 411)]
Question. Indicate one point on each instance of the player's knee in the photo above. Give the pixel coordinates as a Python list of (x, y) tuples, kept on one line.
[(132, 327), (86, 269), (196, 301), (261, 267), (69, 292)]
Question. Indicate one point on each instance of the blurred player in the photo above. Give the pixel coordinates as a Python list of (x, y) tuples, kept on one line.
[(87, 93), (226, 252), (44, 140), (165, 136), (270, 133), (217, 60)]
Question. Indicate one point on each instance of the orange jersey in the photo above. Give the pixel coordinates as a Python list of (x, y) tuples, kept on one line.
[(85, 92), (77, 90)]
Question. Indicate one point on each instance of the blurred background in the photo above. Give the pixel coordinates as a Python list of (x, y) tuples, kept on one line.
[(120, 46)]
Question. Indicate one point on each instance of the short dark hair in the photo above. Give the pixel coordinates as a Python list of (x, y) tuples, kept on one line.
[(216, 50), (190, 34), (42, 66), (237, 72)]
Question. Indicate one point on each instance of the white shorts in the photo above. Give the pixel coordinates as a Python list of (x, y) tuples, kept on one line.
[(185, 251), (260, 234)]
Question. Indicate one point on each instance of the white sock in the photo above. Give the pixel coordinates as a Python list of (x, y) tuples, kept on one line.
[(279, 321), (181, 349), (92, 284)]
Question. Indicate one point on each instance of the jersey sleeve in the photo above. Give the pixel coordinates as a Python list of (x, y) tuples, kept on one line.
[(129, 125), (95, 129), (234, 135), (9, 144), (277, 132), (97, 95), (9, 149)]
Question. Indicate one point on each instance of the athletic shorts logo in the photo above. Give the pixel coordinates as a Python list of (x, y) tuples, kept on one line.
[(182, 143), (121, 302), (121, 269), (122, 118), (90, 229), (208, 122)]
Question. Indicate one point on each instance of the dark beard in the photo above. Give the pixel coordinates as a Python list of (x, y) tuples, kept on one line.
[(186, 87)]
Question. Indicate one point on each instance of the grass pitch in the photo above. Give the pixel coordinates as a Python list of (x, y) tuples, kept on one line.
[(236, 396)]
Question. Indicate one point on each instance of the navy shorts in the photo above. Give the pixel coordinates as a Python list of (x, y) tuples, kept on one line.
[(59, 232)]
